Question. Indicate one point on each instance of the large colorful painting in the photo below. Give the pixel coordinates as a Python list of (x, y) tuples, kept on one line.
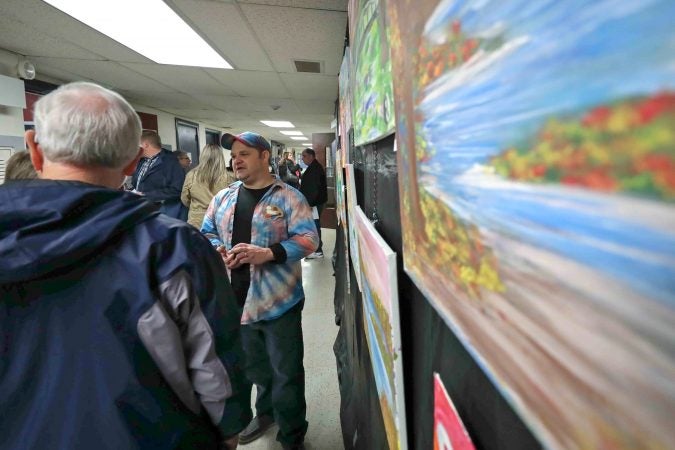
[(379, 289), (537, 177), (373, 98), (449, 431), (351, 221)]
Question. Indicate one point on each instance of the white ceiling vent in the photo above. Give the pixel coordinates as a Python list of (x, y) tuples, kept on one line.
[(307, 66)]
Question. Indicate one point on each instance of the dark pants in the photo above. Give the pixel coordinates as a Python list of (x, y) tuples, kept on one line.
[(274, 351), (317, 222)]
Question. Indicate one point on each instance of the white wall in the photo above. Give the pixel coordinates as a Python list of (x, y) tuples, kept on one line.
[(11, 118), (166, 124)]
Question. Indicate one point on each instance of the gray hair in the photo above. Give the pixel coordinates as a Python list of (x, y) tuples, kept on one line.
[(85, 124)]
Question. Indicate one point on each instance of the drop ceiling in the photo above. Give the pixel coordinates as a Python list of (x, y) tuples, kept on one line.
[(260, 38)]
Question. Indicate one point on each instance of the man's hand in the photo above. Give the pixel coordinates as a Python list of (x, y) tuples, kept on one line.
[(223, 253), (248, 254)]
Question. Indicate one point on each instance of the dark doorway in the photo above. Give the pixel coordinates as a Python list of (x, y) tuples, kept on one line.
[(187, 139), (212, 137)]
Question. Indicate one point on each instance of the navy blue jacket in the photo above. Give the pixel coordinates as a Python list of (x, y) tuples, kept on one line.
[(163, 184), (118, 326)]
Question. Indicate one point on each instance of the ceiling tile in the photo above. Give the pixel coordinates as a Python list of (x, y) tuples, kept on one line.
[(316, 106), (106, 72), (223, 26), (306, 86), (295, 33), (331, 5), (250, 83), (190, 80), (26, 40), (165, 100), (273, 105), (63, 27)]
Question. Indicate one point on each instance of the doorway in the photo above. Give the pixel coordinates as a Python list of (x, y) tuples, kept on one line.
[(212, 137), (187, 139)]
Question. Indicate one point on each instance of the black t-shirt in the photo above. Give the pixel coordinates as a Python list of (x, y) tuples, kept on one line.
[(241, 233)]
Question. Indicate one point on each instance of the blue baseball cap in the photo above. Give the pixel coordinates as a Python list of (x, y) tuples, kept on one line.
[(248, 138)]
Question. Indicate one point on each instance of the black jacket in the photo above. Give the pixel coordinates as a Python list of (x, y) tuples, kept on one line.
[(163, 183), (313, 184)]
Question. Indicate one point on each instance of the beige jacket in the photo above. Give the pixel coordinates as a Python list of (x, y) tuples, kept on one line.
[(197, 196)]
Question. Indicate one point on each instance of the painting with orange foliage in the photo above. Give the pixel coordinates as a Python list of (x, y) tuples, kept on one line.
[(536, 155)]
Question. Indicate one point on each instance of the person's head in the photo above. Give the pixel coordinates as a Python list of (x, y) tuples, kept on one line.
[(84, 132), (250, 155), (151, 144), (19, 167), (308, 155), (211, 166), (183, 159)]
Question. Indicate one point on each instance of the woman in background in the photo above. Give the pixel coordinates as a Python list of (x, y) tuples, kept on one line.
[(204, 181)]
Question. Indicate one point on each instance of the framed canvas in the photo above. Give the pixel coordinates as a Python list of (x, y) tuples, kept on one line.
[(351, 221), (370, 80), (536, 147), (379, 290), (345, 92), (449, 431)]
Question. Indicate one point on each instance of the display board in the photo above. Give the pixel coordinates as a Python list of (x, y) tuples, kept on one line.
[(379, 290), (536, 153)]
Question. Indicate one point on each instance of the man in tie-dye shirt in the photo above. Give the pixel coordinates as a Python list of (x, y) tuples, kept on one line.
[(263, 228)]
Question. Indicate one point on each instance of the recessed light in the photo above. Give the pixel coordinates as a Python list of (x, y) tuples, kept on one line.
[(298, 138), (291, 133), (278, 123), (129, 23)]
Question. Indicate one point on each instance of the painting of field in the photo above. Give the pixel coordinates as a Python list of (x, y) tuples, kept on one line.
[(536, 146), (371, 85), (381, 322), (449, 431)]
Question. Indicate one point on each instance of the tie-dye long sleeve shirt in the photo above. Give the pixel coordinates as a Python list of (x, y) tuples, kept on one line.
[(281, 216)]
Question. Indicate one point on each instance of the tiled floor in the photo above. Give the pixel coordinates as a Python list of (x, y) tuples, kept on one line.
[(318, 325)]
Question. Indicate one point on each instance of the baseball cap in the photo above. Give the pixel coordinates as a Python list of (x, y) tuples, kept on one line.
[(247, 138)]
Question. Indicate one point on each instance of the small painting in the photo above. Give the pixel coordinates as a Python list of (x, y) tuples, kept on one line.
[(449, 431), (379, 290)]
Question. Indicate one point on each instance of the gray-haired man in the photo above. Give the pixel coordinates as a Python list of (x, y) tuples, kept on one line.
[(119, 326)]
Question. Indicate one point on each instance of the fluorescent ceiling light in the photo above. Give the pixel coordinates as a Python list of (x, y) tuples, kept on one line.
[(278, 123), (291, 133), (135, 24), (298, 138)]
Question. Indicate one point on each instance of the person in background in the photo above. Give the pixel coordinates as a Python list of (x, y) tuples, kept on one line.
[(119, 326), (204, 182), (313, 187), (159, 176), (19, 167), (263, 228), (184, 160), (288, 170)]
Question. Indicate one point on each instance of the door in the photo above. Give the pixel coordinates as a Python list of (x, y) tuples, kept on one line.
[(212, 137), (187, 138)]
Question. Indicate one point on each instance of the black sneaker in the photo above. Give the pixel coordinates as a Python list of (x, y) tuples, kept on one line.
[(255, 428), (294, 447)]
